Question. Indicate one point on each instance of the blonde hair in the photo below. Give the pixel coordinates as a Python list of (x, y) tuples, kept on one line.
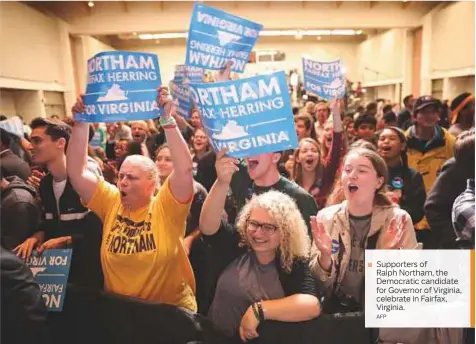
[(294, 243), (146, 164)]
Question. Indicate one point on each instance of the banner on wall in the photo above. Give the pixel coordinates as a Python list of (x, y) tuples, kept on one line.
[(216, 37), (50, 270), (324, 79), (13, 125), (121, 86), (249, 116), (181, 94)]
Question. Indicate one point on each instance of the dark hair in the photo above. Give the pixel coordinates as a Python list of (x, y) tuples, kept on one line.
[(365, 119), (55, 129), (134, 148), (407, 99), (389, 117), (308, 123), (371, 107), (403, 139), (464, 151), (387, 108), (5, 138), (295, 110), (3, 117)]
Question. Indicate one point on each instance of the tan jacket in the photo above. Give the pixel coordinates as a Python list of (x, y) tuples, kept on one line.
[(336, 221)]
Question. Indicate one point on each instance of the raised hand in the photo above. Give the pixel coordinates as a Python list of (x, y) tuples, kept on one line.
[(79, 107), (392, 237), (165, 102), (225, 167), (322, 239), (224, 74), (35, 178)]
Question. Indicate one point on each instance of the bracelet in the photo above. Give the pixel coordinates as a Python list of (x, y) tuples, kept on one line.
[(167, 122), (255, 312), (260, 310)]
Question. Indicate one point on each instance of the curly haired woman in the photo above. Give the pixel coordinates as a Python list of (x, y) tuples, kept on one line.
[(264, 262)]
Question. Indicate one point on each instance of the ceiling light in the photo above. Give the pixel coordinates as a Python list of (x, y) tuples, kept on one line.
[(275, 33), (157, 41), (91, 3), (134, 33), (343, 32), (319, 38), (343, 69)]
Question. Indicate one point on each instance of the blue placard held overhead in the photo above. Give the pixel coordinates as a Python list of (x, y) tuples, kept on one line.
[(216, 37), (122, 86), (181, 94), (324, 78), (50, 270), (188, 74), (248, 116)]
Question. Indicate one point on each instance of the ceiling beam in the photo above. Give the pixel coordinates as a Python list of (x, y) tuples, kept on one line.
[(405, 4), (339, 3), (125, 6), (373, 4)]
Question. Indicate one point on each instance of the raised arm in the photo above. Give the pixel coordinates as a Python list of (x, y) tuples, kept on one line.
[(215, 202), (181, 179), (83, 181)]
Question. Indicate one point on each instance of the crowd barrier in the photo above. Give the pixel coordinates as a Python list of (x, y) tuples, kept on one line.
[(97, 317)]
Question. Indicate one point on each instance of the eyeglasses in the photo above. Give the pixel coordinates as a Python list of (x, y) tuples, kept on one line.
[(253, 226)]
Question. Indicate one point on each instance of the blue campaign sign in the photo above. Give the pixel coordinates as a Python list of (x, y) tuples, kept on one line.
[(181, 94), (248, 116), (216, 37), (50, 270), (188, 74), (324, 78), (122, 86)]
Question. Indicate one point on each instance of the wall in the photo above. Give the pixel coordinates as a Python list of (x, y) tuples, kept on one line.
[(173, 54), (85, 47), (380, 58), (453, 37), (7, 103), (34, 52)]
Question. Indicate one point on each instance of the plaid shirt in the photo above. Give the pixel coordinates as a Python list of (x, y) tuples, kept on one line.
[(463, 213)]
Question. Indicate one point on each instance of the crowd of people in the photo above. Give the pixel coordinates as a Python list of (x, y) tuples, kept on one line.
[(152, 212)]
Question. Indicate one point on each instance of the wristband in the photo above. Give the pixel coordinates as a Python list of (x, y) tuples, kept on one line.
[(167, 122), (255, 312), (260, 310)]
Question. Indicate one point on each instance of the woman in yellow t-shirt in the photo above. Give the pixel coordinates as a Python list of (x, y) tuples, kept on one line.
[(142, 251)]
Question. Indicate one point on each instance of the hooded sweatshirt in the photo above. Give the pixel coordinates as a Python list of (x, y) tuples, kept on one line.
[(21, 212)]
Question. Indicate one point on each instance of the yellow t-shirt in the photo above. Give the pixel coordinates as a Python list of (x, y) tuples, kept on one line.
[(142, 252)]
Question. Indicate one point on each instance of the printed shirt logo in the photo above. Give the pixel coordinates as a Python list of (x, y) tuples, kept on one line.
[(335, 246), (397, 183), (129, 237)]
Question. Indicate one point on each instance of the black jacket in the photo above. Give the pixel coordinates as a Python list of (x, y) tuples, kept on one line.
[(413, 191), (23, 310), (21, 213), (12, 165), (74, 220), (449, 184)]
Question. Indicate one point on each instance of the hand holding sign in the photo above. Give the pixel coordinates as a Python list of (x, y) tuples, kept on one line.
[(224, 74), (225, 167), (78, 107), (164, 101)]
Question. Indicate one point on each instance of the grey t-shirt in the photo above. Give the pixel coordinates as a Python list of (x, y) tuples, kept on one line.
[(354, 276), (242, 283)]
